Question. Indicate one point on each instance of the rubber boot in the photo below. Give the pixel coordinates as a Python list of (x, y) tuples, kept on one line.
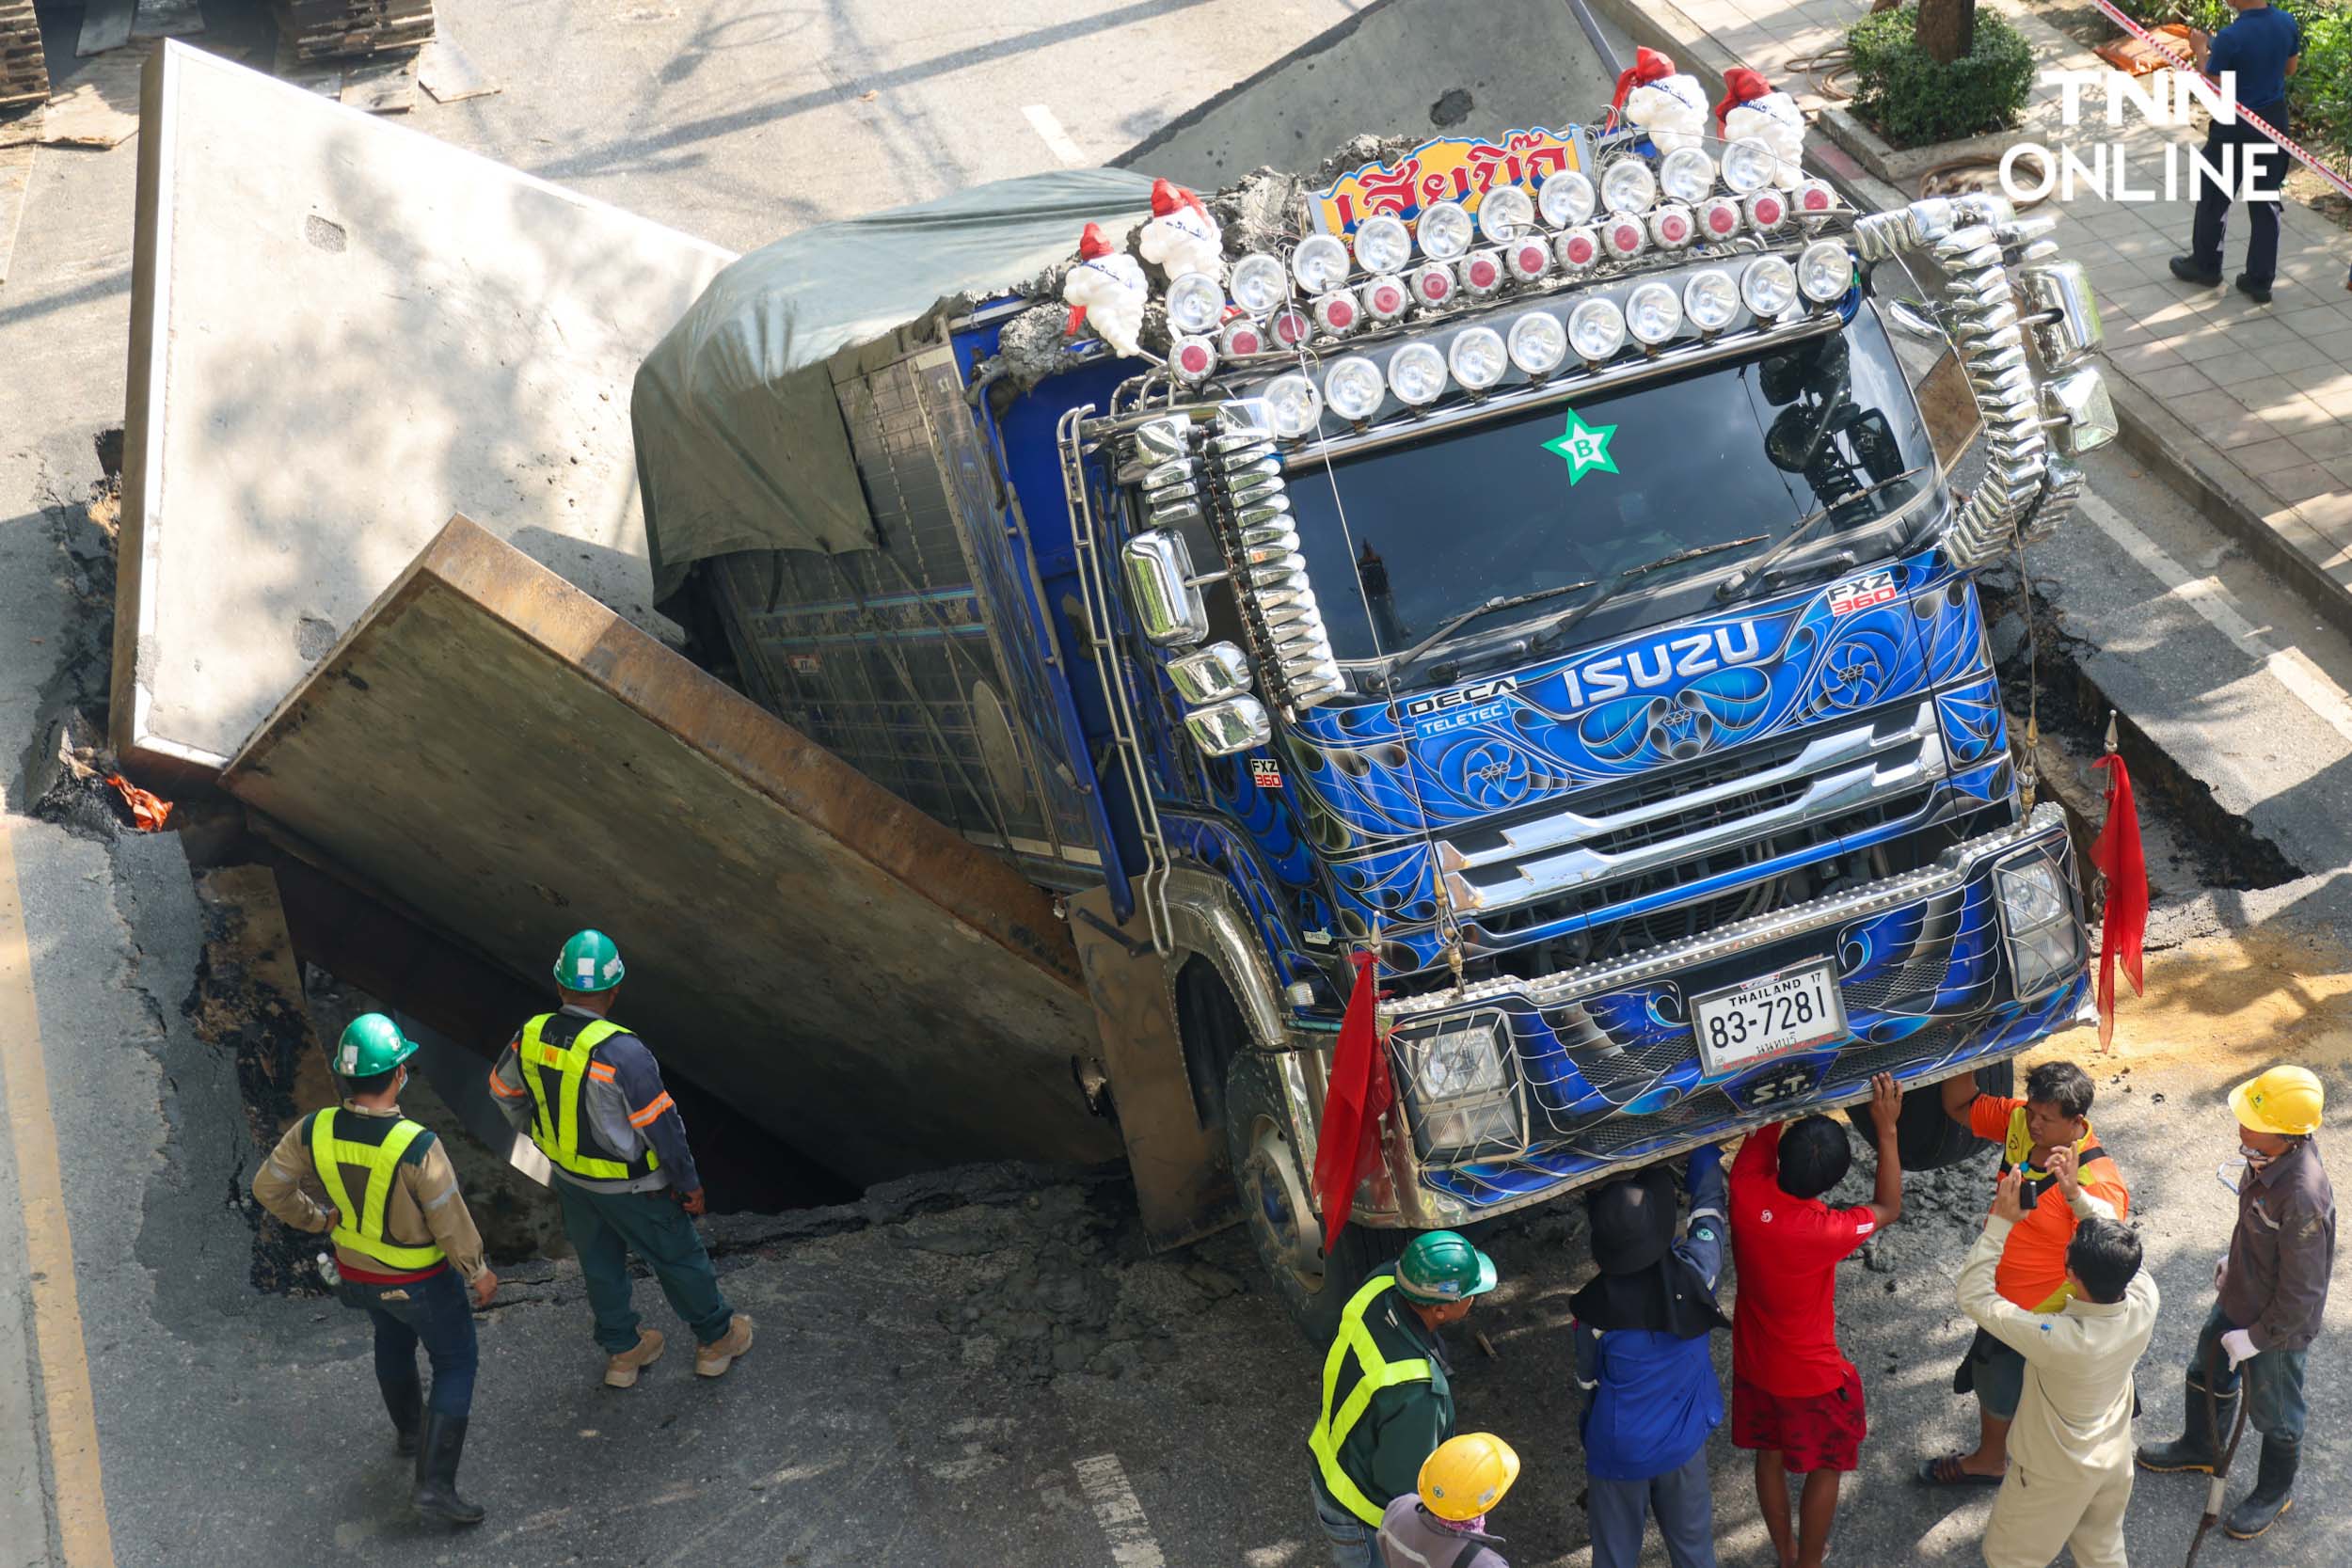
[(405, 1401), (436, 1495), (2273, 1493), (2198, 1447)]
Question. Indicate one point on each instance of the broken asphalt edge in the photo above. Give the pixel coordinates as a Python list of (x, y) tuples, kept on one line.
[(2184, 462)]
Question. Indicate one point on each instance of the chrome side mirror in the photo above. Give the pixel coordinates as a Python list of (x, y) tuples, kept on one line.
[(1213, 673), (2067, 330), (2079, 411), (1167, 607), (1223, 728)]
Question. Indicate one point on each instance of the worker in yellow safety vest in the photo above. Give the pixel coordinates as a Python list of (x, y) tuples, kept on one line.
[(383, 1187), (1386, 1402), (590, 1095)]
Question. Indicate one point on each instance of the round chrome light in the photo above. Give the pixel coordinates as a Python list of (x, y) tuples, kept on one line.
[(1445, 230), (1596, 329), (1195, 302), (1482, 272), (1386, 298), (1260, 284), (1290, 326), (1687, 175), (1433, 283), (1352, 388), (1711, 299), (1566, 200), (1825, 271), (1192, 358), (1628, 186), (1477, 359), (1538, 342), (1768, 287), (1625, 237), (1505, 214), (1383, 243), (1748, 165), (1529, 258), (1577, 248), (1653, 312), (1767, 208), (1292, 406), (1320, 264), (1417, 374), (1242, 338), (1719, 218), (1338, 314), (1815, 200), (1672, 226)]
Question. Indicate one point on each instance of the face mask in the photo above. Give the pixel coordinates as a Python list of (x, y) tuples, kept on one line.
[(2254, 1157)]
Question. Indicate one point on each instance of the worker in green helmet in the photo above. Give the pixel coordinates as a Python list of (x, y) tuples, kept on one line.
[(589, 1093), (383, 1187), (1386, 1401)]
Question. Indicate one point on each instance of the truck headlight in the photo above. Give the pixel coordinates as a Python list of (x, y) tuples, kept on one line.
[(1463, 1092), (2045, 944)]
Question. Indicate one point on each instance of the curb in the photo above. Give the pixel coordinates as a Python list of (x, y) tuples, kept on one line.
[(2182, 460)]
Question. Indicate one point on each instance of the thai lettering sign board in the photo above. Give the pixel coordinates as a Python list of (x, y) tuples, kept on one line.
[(1454, 168)]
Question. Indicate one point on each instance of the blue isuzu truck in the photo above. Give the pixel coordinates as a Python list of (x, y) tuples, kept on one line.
[(1535, 569)]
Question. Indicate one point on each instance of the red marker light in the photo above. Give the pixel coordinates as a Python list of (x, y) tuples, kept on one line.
[(1483, 273)]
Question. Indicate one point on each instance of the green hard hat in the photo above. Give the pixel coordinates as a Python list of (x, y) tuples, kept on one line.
[(1441, 1265), (372, 1043), (589, 962)]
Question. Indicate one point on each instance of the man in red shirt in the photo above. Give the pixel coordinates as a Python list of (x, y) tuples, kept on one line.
[(1795, 1398), (2069, 1178)]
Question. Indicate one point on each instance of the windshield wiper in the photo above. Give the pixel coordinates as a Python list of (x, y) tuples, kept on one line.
[(1618, 580), (1743, 582), (1395, 662)]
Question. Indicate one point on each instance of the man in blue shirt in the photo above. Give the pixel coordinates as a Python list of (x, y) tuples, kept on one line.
[(2261, 49), (1642, 1357)]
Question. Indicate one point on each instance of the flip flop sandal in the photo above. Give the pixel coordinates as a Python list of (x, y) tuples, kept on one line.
[(1947, 1471)]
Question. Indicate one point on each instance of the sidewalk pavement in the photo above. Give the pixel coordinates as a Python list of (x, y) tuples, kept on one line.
[(2249, 405)]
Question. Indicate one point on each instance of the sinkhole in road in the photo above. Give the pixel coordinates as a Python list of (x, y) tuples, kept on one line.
[(2213, 847)]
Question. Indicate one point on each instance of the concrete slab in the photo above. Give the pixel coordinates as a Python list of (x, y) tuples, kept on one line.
[(343, 331), (1397, 68), (492, 745)]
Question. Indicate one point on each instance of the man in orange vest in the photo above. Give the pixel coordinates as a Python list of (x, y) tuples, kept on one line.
[(2046, 1137)]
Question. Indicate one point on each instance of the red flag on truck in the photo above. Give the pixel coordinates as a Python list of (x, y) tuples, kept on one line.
[(2119, 858), (1360, 1094)]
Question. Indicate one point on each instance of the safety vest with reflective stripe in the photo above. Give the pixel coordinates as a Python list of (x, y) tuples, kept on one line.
[(561, 1125), (2017, 1154), (360, 1226), (1374, 1373)]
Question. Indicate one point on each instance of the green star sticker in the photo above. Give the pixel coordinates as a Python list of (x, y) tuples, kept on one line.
[(1584, 448)]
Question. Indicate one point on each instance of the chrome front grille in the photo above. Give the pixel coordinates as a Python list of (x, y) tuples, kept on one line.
[(1608, 838)]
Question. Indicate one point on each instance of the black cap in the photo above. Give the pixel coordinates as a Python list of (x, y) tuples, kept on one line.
[(1634, 1222)]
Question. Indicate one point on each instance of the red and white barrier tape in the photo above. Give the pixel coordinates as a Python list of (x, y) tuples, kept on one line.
[(2295, 149)]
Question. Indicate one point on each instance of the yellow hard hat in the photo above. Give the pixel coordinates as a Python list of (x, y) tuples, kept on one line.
[(2285, 1100), (1468, 1475)]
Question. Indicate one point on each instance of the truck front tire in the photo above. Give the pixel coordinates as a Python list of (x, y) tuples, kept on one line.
[(1272, 1184), (1925, 1137)]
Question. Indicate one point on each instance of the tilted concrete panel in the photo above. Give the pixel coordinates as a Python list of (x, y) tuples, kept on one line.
[(492, 745), (343, 331), (1398, 68)]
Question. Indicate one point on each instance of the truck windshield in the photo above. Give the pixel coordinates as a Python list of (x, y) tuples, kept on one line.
[(1402, 540)]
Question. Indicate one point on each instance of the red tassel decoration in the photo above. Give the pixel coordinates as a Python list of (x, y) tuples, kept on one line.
[(1348, 1148), (2119, 855)]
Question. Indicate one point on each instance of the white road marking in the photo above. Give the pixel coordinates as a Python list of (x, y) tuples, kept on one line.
[(1104, 1482), (2305, 681), (1057, 141)]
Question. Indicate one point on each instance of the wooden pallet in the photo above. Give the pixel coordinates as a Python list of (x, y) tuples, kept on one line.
[(24, 70), (330, 29)]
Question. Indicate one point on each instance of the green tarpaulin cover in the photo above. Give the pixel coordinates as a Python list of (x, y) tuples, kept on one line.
[(740, 442)]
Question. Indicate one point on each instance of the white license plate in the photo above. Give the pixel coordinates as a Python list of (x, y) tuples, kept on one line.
[(1764, 1016)]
